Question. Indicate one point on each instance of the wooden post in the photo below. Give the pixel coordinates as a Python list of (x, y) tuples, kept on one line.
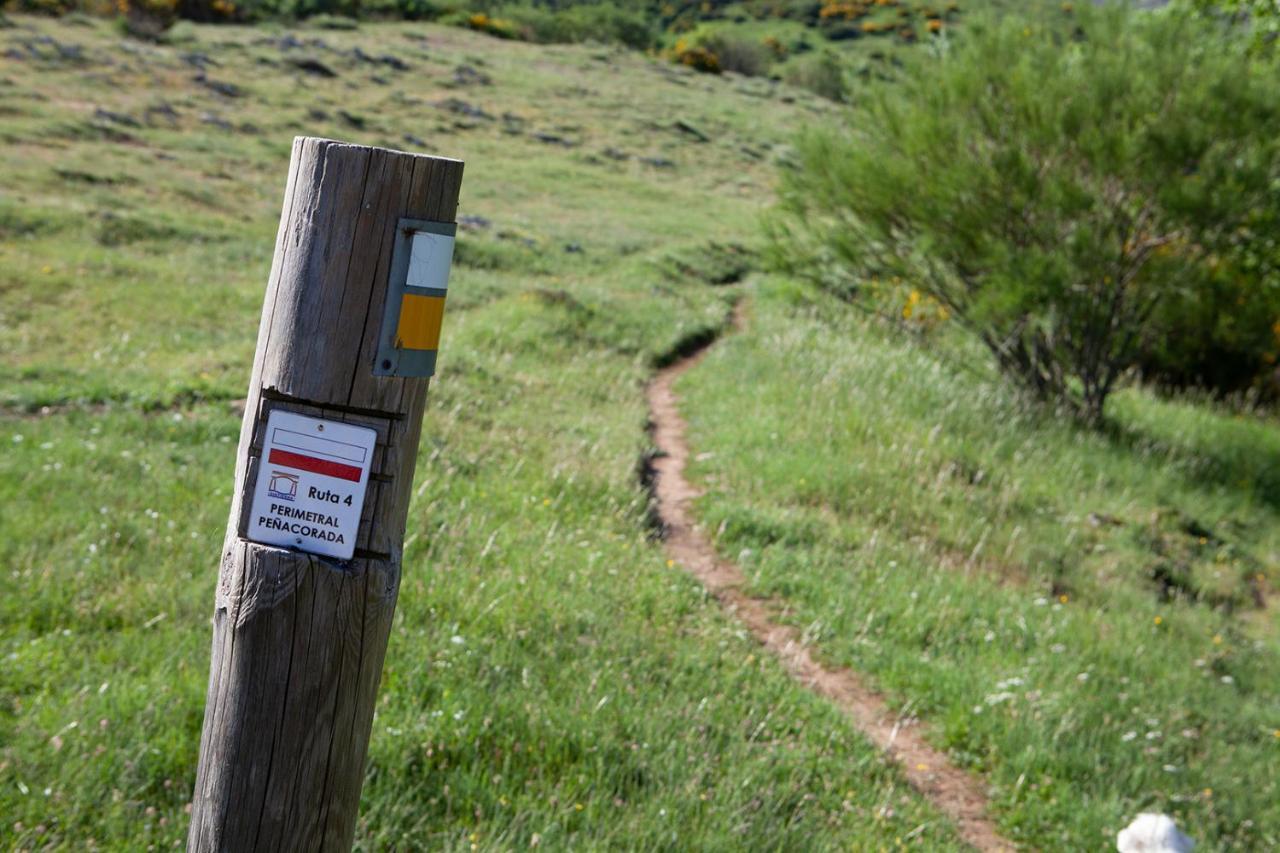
[(299, 639)]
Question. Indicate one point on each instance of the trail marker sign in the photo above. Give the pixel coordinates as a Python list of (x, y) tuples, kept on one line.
[(311, 484)]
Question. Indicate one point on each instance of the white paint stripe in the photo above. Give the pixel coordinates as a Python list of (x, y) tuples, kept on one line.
[(316, 444), (430, 257)]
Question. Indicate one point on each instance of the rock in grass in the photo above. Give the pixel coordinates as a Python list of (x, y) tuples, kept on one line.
[(1153, 833), (311, 66), (468, 75), (460, 107), (555, 139), (227, 90), (690, 130), (658, 162), (352, 120), (116, 118)]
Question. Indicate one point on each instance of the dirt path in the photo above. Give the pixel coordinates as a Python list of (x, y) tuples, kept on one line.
[(953, 791)]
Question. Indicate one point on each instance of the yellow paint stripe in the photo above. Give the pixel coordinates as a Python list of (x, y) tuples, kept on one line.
[(420, 319)]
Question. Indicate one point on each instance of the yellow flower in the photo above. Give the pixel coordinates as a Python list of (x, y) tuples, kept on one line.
[(1064, 598), (1217, 639), (1158, 620)]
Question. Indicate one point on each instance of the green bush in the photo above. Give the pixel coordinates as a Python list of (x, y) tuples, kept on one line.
[(1073, 203), (824, 73), (739, 54), (570, 24), (1261, 18)]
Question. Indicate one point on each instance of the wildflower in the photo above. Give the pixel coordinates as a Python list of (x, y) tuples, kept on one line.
[(1217, 639), (1158, 620), (1064, 598)]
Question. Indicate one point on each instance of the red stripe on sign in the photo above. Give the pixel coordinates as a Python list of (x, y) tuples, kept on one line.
[(314, 465)]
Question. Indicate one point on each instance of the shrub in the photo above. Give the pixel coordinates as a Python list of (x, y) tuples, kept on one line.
[(147, 19), (822, 73), (738, 54), (1260, 17), (602, 22), (1062, 199), (696, 57)]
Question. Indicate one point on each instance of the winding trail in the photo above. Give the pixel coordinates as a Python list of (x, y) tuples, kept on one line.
[(953, 791)]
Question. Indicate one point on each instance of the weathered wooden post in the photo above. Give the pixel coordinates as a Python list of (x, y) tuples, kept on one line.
[(311, 564)]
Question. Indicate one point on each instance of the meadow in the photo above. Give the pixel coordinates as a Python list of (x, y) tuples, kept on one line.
[(1079, 617)]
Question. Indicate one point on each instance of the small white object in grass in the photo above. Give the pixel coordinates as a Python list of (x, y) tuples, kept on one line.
[(1153, 833)]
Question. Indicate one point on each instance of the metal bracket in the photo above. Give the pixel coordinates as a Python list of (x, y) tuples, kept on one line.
[(416, 289)]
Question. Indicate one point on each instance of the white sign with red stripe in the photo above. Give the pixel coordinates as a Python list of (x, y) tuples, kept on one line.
[(311, 484)]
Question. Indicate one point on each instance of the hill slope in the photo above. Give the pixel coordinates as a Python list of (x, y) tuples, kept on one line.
[(1080, 618)]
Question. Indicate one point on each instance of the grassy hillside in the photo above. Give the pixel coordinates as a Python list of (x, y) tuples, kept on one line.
[(551, 679), (1080, 617), (1087, 619)]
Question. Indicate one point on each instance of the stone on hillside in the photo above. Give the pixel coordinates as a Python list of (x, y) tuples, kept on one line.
[(468, 75), (227, 90), (352, 120), (116, 118), (198, 61), (457, 106), (395, 63), (690, 130), (163, 110), (554, 139), (315, 67), (658, 162), (216, 121)]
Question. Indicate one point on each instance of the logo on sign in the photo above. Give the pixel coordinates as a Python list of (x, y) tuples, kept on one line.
[(283, 486)]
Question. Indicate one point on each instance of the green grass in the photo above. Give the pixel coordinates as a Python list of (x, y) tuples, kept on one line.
[(1000, 571), (551, 679)]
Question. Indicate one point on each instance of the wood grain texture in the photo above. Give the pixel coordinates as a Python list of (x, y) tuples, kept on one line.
[(299, 640)]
